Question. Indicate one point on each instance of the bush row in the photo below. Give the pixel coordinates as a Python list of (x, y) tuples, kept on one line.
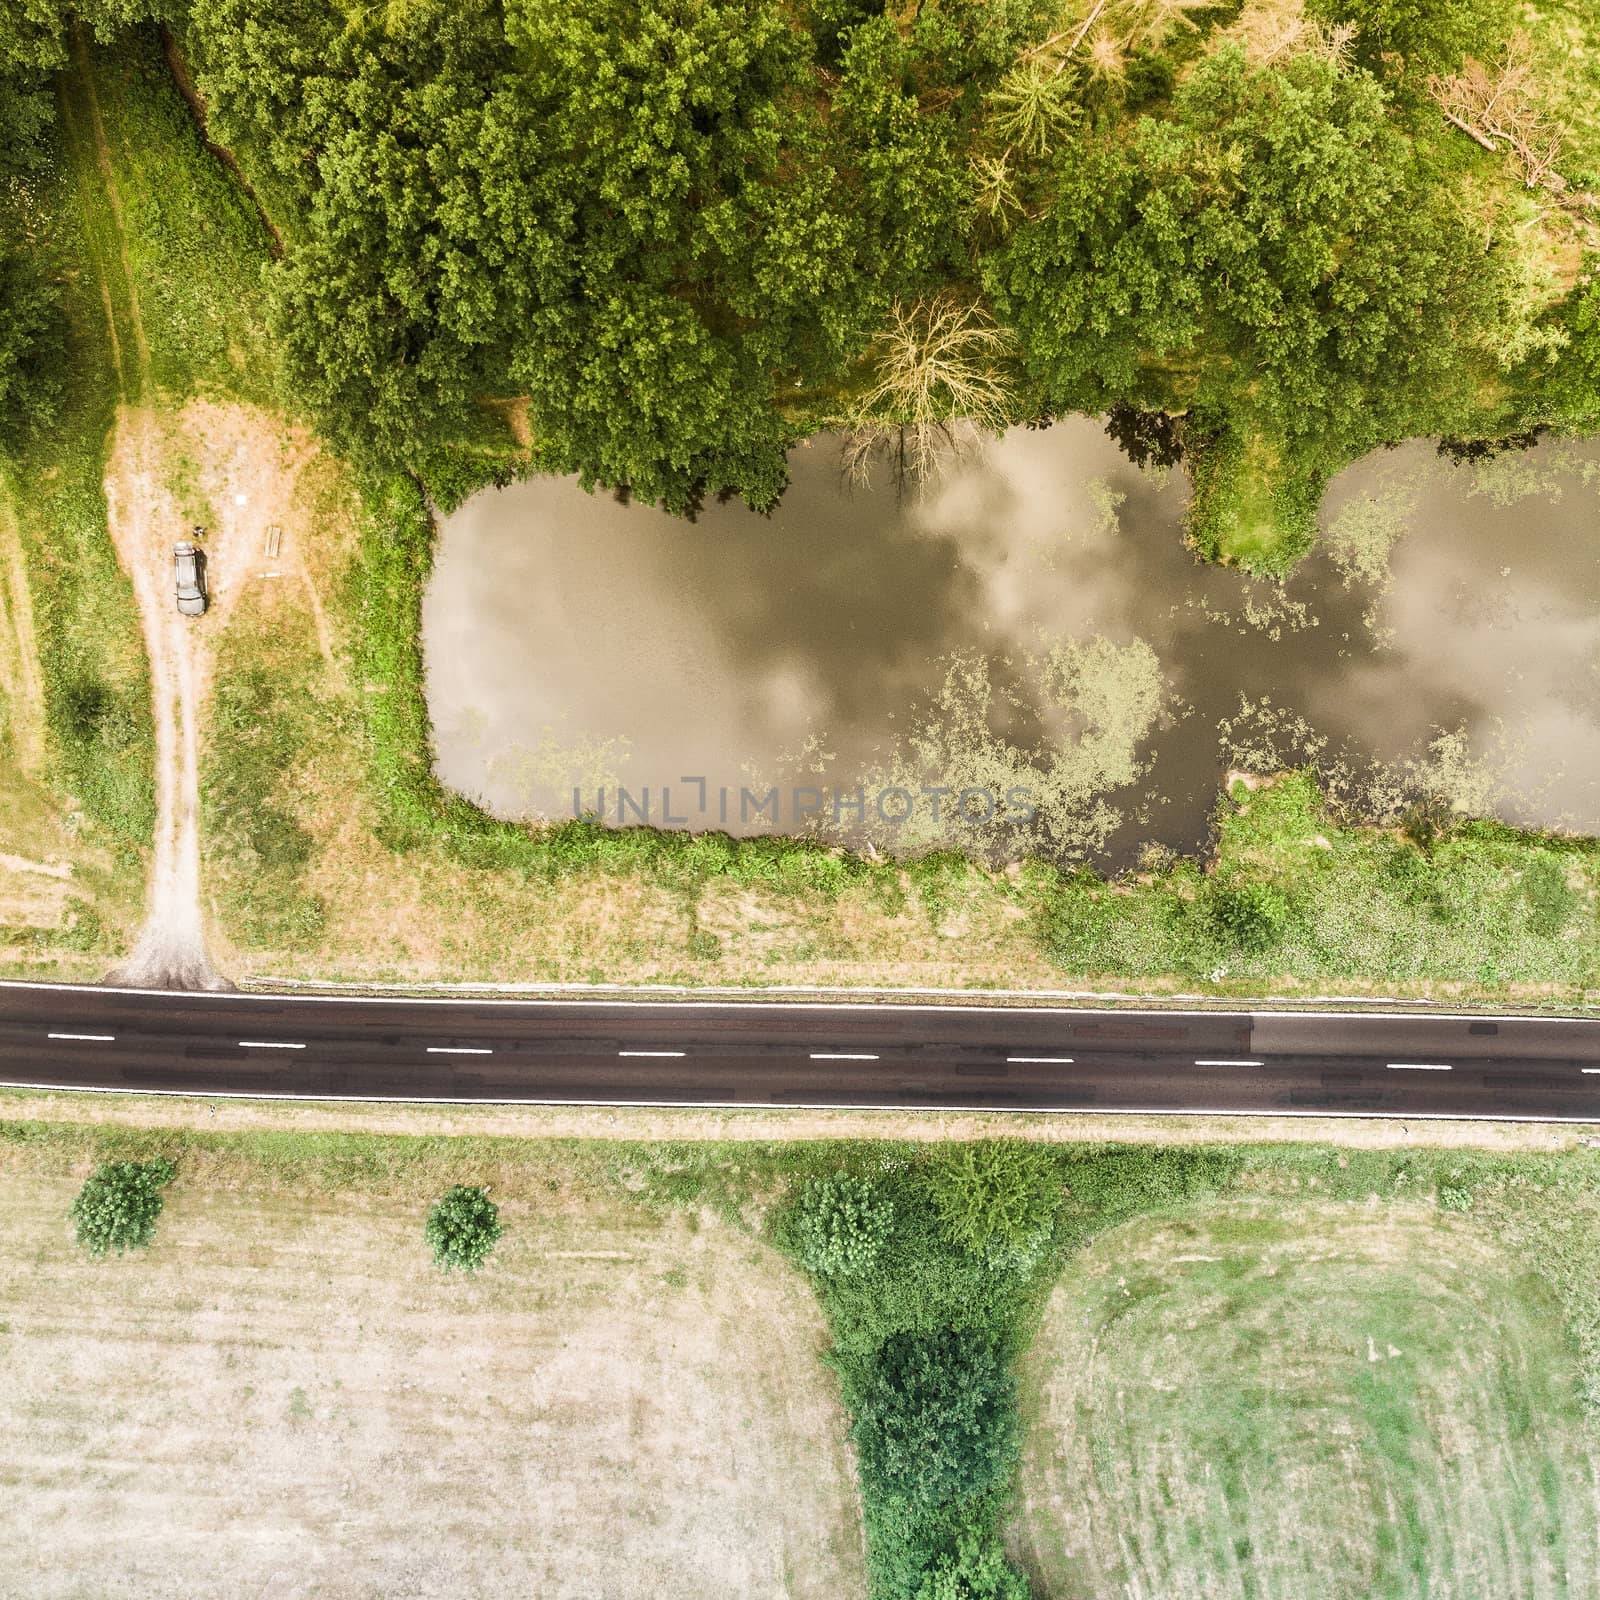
[(120, 1203)]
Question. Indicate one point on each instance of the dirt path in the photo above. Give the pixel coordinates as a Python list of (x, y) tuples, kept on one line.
[(171, 948), (170, 951)]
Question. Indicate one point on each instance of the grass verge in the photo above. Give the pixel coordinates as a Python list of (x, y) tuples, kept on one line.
[(79, 750), (1295, 899)]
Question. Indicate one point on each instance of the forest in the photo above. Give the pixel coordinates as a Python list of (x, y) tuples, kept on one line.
[(1267, 237)]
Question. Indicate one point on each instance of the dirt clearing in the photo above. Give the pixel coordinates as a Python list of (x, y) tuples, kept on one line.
[(230, 471), (171, 951), (1277, 1400), (283, 1399)]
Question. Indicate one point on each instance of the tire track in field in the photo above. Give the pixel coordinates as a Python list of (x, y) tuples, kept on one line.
[(170, 951)]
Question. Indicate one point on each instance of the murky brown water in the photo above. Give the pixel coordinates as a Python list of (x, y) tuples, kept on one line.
[(1034, 622)]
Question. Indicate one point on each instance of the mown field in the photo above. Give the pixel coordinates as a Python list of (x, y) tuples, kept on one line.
[(283, 1396), (1277, 1398)]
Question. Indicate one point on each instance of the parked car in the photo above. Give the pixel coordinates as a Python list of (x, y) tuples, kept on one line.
[(190, 563)]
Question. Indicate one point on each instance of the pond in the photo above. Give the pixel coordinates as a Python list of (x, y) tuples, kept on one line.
[(1026, 649)]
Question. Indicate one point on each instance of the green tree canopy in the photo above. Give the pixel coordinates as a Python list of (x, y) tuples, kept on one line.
[(937, 1420), (31, 335), (997, 1191), (462, 1228), (1272, 248), (626, 209), (840, 1225), (976, 1569), (117, 1207), (1426, 35)]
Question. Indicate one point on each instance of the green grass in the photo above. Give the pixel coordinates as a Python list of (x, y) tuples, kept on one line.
[(1562, 33), (1277, 1398), (1481, 905), (96, 682), (163, 262), (270, 718), (195, 245), (1255, 503)]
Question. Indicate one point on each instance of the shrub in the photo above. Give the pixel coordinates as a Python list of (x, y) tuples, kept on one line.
[(1251, 917), (996, 1192), (937, 1419), (117, 1207), (462, 1228), (1454, 1197), (976, 1569), (840, 1225)]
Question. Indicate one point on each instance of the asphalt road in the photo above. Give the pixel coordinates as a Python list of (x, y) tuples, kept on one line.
[(746, 1053)]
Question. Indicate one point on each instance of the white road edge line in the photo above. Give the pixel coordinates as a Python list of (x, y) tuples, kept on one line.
[(1228, 1063), (650, 1052), (1417, 1066), (102, 1038), (1086, 1008), (1044, 1061), (458, 1050), (267, 1044), (840, 1055), (1588, 1070)]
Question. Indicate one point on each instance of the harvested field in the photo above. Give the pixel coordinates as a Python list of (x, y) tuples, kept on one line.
[(283, 1398), (1281, 1400)]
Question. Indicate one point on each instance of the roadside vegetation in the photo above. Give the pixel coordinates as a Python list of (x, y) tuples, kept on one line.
[(119, 1204), (1065, 1367), (462, 1228)]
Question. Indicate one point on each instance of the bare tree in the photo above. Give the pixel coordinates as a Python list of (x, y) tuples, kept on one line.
[(1273, 32), (939, 381), (994, 187), (1497, 107), (1128, 24)]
